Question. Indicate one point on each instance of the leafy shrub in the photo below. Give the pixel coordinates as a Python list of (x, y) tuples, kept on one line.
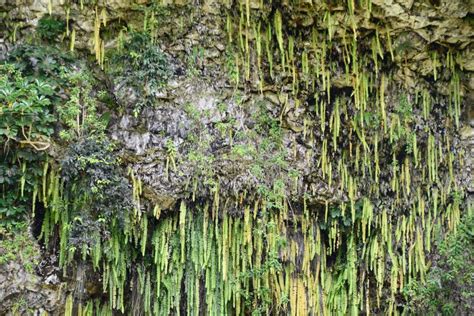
[(34, 84), (79, 114), (47, 94), (40, 62), (50, 27), (26, 123), (141, 65), (449, 287), (99, 195), (69, 79), (27, 114)]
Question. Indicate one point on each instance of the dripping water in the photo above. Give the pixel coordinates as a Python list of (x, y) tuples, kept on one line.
[(80, 280), (136, 301)]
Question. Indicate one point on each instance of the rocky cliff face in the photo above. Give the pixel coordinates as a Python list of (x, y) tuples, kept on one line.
[(310, 151)]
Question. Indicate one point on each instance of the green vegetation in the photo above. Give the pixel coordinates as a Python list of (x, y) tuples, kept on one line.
[(34, 113), (171, 156), (195, 61), (17, 245), (32, 106), (155, 16), (41, 62), (142, 66), (449, 286), (50, 28), (79, 114), (26, 124), (95, 198), (338, 196)]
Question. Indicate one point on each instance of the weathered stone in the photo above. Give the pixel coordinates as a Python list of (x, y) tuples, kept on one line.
[(206, 118), (17, 284), (272, 97)]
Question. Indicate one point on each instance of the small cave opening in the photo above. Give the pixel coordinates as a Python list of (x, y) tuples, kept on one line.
[(38, 218)]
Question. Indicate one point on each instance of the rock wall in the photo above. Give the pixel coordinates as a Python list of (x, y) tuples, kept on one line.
[(244, 120)]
